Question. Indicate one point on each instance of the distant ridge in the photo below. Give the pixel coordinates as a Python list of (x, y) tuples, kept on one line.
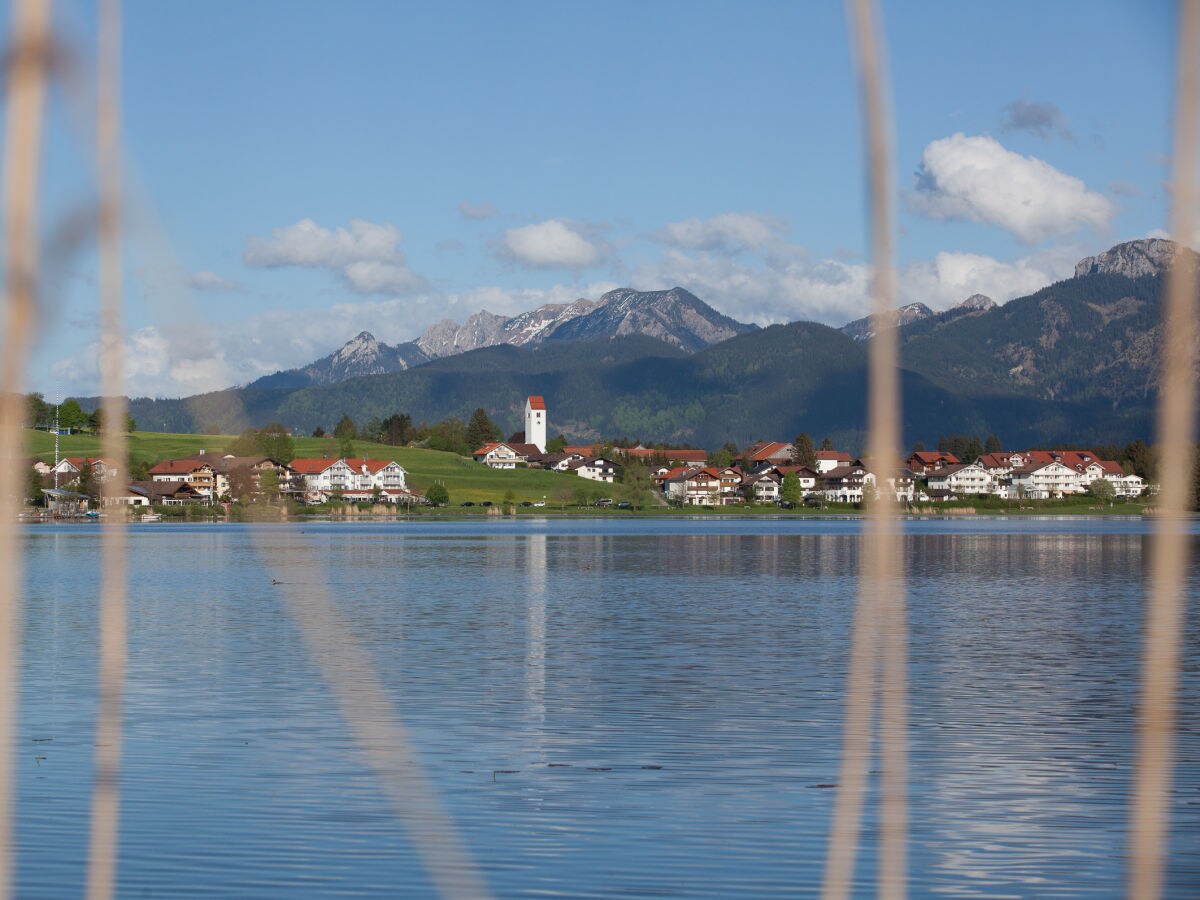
[(676, 317), (361, 355)]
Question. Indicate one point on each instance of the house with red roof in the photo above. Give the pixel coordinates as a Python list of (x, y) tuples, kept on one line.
[(507, 454), (922, 462), (776, 453), (200, 474)]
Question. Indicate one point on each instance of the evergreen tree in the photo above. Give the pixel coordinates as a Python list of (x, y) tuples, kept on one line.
[(397, 429), (373, 430), (481, 429), (345, 429), (1141, 458), (556, 444), (318, 431), (803, 452), (992, 444), (919, 447), (34, 490), (437, 494), (827, 444)]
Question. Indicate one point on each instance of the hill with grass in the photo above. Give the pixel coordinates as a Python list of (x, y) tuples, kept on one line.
[(464, 478)]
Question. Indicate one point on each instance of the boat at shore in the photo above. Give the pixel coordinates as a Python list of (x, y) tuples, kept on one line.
[(151, 517)]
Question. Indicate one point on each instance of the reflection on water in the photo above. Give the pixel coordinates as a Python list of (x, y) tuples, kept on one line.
[(606, 708)]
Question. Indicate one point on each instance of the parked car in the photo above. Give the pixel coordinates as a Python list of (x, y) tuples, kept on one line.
[(624, 504), (467, 503), (604, 501), (786, 504), (540, 503), (527, 503), (486, 503)]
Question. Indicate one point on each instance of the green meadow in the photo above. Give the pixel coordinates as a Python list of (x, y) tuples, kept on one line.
[(464, 478)]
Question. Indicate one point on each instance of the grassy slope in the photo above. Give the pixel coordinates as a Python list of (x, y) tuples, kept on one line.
[(465, 479)]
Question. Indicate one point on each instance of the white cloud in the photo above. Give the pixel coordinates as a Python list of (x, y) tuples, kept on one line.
[(366, 255), (793, 286), (173, 362), (210, 281), (552, 244), (977, 179), (469, 210), (724, 233)]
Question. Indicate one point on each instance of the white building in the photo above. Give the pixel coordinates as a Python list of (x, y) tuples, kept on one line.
[(964, 478), (535, 422), (1044, 481)]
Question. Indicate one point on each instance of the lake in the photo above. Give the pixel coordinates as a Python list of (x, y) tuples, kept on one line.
[(639, 708)]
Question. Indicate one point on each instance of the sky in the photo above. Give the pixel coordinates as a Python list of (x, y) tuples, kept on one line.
[(297, 172)]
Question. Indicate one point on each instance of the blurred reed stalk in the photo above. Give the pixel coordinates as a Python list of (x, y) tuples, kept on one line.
[(375, 723), (879, 640), (102, 849), (28, 64), (1169, 549)]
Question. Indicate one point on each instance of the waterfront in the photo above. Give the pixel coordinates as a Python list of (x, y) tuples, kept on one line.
[(637, 707)]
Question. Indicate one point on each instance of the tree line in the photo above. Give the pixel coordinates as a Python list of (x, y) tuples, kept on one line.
[(70, 416)]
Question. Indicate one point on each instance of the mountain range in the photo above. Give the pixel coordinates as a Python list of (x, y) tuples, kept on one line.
[(1075, 361)]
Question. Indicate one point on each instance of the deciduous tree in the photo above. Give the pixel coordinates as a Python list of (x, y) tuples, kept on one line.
[(791, 491)]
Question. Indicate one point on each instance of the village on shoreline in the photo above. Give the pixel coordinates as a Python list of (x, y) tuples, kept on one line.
[(765, 476)]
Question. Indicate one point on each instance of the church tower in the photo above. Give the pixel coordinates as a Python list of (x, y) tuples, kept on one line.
[(535, 422)]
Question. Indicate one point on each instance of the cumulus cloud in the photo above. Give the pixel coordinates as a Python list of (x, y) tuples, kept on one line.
[(469, 210), (724, 233), (977, 179), (1041, 118), (180, 361), (553, 244), (792, 285), (212, 282), (366, 255)]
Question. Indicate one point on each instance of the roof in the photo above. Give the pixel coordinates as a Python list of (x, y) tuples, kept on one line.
[(951, 469), (932, 456), (996, 460), (768, 449), (372, 465), (581, 449), (800, 471), (833, 454), (179, 466), (536, 402), (844, 472), (154, 489), (640, 452), (313, 465)]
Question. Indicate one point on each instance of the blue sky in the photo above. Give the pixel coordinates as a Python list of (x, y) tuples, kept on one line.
[(300, 171)]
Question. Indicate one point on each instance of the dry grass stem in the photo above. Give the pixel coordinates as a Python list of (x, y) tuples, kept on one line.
[(376, 725), (1151, 807), (27, 75), (102, 850), (879, 640)]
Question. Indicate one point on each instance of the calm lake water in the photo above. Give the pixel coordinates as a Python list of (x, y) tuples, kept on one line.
[(606, 708)]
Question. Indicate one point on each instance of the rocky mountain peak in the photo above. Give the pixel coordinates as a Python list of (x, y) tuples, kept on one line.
[(977, 303), (1133, 259), (863, 329), (675, 316)]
